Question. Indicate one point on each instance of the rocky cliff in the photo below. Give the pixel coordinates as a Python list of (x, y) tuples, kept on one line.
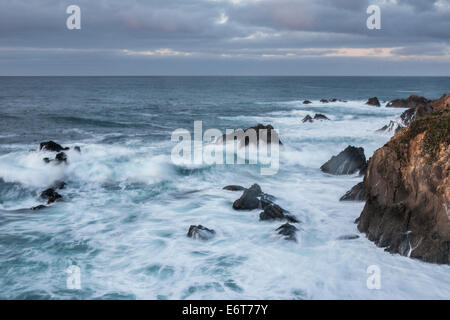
[(408, 189)]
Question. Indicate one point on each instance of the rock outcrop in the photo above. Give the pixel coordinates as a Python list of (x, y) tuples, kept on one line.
[(288, 231), (373, 102), (275, 212), (307, 102), (317, 116), (413, 101), (349, 161), (408, 189), (243, 135), (200, 232), (50, 195), (51, 146)]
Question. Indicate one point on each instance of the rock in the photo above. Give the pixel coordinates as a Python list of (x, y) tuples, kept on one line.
[(243, 135), (307, 102), (408, 188), (334, 100), (413, 101), (200, 232), (61, 157), (288, 231), (275, 212), (357, 193), (50, 195), (443, 103), (77, 148), (319, 116), (308, 118), (234, 188), (348, 237), (349, 161), (59, 185), (39, 207), (51, 146), (47, 160), (250, 199), (373, 102), (324, 100)]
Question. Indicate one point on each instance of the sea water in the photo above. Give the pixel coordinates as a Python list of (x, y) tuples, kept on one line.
[(127, 207)]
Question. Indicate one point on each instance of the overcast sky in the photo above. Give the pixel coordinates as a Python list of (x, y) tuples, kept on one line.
[(225, 37)]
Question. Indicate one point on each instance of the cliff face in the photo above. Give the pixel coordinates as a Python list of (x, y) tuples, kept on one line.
[(408, 189)]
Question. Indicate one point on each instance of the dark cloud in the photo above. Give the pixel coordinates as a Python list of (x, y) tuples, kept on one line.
[(222, 33)]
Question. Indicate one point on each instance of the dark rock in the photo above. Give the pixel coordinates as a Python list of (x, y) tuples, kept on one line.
[(234, 188), (250, 199), (50, 195), (413, 101), (348, 237), (324, 100), (307, 102), (392, 127), (349, 161), (357, 193), (288, 231), (61, 157), (77, 148), (243, 135), (275, 212), (200, 232), (373, 102), (334, 100), (320, 116), (39, 207), (308, 118), (47, 160), (51, 146)]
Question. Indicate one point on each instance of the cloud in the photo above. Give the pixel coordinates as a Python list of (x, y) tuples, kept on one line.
[(224, 30)]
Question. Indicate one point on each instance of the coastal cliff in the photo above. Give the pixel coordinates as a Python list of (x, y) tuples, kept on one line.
[(408, 189)]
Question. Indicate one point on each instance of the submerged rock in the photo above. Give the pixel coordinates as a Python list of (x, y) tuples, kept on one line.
[(307, 102), (275, 212), (319, 116), (51, 146), (50, 195), (61, 157), (288, 231), (77, 149), (349, 161), (39, 207), (357, 193), (200, 232), (408, 187), (324, 100), (348, 237), (234, 188), (373, 102)]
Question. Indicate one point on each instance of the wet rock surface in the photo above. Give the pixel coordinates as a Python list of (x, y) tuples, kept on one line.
[(349, 161), (200, 232)]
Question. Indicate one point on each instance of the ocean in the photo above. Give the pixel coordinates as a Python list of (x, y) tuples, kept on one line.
[(127, 207)]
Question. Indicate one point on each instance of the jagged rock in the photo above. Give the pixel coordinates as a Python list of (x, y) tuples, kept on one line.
[(349, 161), (408, 187), (308, 118), (243, 135), (324, 100), (51, 146), (50, 195), (413, 101), (288, 231), (348, 237), (250, 199), (275, 212), (234, 188), (39, 207), (319, 116), (357, 193), (307, 102), (200, 232), (373, 102)]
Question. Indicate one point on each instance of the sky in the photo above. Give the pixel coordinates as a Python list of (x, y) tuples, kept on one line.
[(225, 37)]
